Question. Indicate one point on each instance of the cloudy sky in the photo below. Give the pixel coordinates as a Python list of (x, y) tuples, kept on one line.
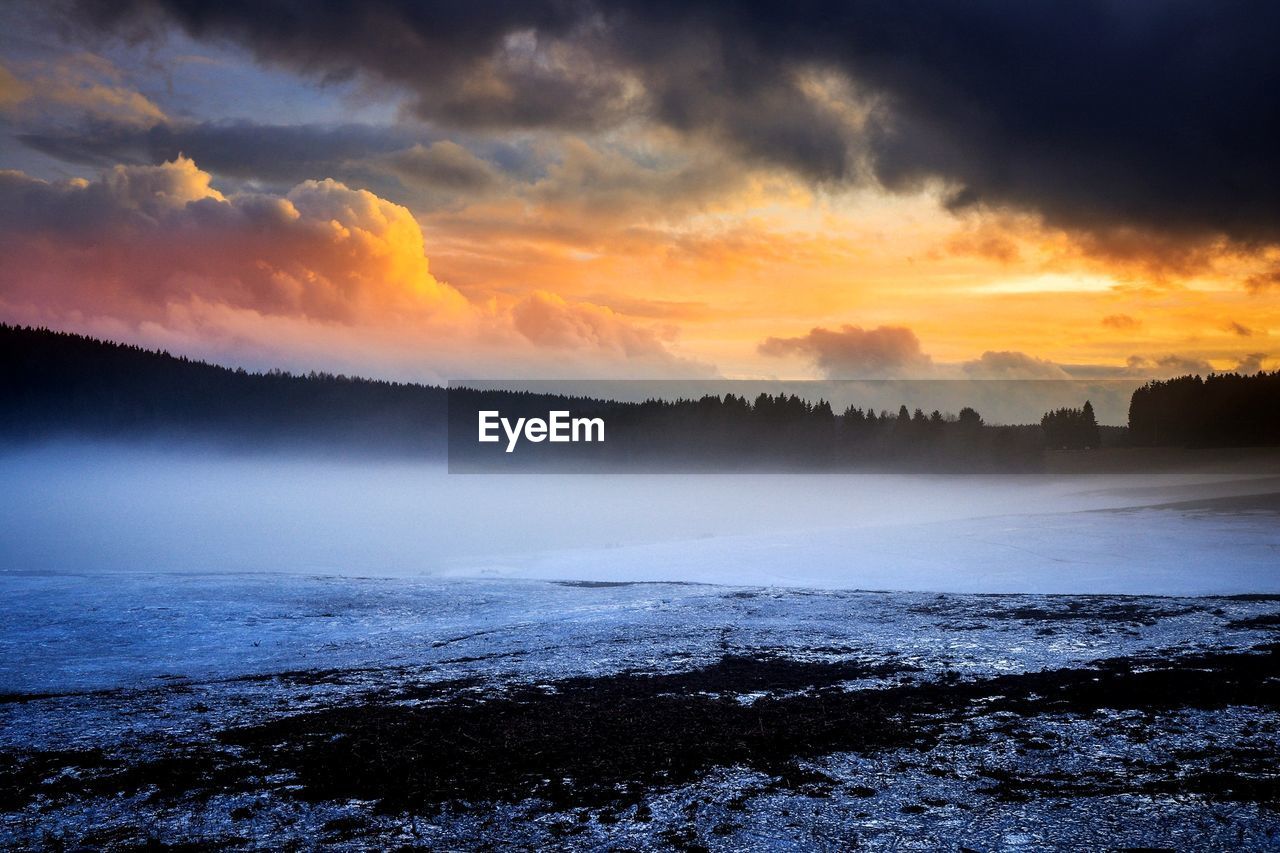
[(572, 188)]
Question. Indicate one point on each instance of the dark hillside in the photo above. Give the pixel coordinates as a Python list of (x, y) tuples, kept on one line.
[(54, 384)]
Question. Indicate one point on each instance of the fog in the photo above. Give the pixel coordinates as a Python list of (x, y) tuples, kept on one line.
[(92, 508)]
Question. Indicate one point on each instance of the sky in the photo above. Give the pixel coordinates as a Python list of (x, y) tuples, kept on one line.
[(569, 188)]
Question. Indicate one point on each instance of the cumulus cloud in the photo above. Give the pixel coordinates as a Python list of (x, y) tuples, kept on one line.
[(141, 237), (1179, 365), (852, 352), (891, 352), (159, 247), (1169, 365), (1012, 365), (551, 321)]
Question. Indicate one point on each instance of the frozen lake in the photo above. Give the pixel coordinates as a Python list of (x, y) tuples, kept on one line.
[(118, 566), (85, 508)]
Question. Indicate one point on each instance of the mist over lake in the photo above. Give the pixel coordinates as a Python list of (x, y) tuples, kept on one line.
[(72, 507)]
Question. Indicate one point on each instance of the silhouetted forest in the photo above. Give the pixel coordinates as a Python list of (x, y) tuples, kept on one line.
[(1220, 410), (1071, 429), (769, 431), (56, 385)]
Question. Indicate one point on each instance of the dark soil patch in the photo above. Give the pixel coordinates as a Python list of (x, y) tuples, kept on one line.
[(609, 740), (584, 739), (22, 775), (1266, 620), (1105, 609), (1242, 781), (595, 740), (23, 698)]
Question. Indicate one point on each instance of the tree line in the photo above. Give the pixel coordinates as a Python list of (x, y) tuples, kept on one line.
[(54, 384), (1071, 429), (1219, 410), (767, 431), (57, 384)]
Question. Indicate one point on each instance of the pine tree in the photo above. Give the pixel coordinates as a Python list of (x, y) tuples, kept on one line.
[(1090, 435)]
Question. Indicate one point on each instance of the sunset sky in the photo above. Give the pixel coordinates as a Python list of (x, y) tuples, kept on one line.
[(649, 189)]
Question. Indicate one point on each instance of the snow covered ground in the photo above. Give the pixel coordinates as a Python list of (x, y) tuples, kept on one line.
[(152, 682), (103, 631)]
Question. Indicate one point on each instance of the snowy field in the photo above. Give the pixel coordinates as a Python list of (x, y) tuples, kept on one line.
[(249, 653)]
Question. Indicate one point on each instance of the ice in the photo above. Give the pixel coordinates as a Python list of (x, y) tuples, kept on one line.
[(1135, 552), (67, 509)]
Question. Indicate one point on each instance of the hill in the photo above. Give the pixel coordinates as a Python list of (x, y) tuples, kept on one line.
[(54, 384)]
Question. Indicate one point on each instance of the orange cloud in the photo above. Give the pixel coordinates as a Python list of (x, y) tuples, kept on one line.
[(78, 86), (852, 352), (548, 320), (159, 250), (1122, 322), (538, 276), (12, 90), (985, 240), (1262, 281), (143, 237), (1012, 365)]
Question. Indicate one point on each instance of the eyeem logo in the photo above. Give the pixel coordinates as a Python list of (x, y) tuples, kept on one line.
[(558, 427)]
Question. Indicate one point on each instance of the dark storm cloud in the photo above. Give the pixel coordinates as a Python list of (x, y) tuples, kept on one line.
[(284, 153), (1098, 114), (389, 160)]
